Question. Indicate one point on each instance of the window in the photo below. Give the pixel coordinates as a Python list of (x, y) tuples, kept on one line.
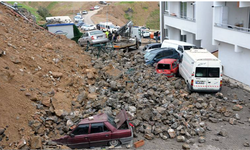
[(166, 6), (81, 129), (166, 33), (180, 48), (168, 53), (189, 47), (163, 66), (207, 72), (183, 9), (98, 127), (184, 38), (111, 121)]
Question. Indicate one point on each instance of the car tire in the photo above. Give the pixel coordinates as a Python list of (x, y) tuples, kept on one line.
[(137, 45), (114, 143)]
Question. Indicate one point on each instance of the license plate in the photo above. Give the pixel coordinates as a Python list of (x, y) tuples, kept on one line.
[(199, 82)]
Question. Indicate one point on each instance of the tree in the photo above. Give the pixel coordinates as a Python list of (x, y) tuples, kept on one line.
[(43, 12)]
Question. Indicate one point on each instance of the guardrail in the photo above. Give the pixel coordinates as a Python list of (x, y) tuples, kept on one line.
[(232, 27)]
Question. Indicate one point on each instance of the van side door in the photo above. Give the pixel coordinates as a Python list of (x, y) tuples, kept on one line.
[(213, 79)]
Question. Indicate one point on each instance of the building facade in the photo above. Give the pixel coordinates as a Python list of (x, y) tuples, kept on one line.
[(222, 26)]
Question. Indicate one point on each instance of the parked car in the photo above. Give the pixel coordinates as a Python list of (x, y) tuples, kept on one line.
[(87, 27), (178, 45), (103, 2), (80, 24), (92, 37), (168, 67), (151, 46), (78, 18), (99, 130), (84, 12), (159, 54), (145, 34), (91, 8), (96, 7)]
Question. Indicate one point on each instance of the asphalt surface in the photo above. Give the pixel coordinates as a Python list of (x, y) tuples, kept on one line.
[(87, 17)]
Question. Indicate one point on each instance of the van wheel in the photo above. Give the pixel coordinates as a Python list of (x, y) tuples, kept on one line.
[(137, 45), (114, 143)]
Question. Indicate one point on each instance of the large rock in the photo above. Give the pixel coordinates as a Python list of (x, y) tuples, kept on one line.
[(237, 107), (82, 96), (2, 131), (61, 104), (171, 133), (36, 142), (180, 138), (132, 109), (161, 110), (57, 74), (149, 136)]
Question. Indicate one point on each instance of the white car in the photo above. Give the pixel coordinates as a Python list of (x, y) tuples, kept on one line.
[(97, 7), (145, 34), (78, 18), (87, 27)]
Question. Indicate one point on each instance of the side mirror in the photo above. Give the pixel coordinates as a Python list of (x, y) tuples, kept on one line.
[(154, 59), (71, 135)]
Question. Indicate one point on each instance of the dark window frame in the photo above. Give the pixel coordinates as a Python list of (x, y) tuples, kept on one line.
[(80, 126), (207, 72)]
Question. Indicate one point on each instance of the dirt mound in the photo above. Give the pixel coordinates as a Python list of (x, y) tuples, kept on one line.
[(34, 66), (121, 12)]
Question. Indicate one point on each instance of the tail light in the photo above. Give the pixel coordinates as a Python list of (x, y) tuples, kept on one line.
[(192, 82), (92, 37), (131, 124), (220, 83), (192, 74)]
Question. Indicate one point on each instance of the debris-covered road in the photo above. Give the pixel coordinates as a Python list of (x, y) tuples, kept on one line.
[(48, 83)]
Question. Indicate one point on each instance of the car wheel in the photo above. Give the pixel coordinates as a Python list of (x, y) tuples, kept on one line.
[(114, 143), (137, 45)]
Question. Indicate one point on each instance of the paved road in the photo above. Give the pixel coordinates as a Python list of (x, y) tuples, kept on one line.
[(87, 17)]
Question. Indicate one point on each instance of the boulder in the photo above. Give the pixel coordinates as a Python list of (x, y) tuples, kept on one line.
[(36, 142)]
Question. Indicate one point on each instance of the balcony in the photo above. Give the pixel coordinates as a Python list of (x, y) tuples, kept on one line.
[(235, 35), (180, 22)]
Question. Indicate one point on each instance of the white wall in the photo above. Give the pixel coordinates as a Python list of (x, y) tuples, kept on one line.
[(236, 65), (174, 7), (204, 21), (190, 9), (174, 34)]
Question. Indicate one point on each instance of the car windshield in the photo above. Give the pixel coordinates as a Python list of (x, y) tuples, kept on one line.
[(207, 72), (111, 120), (150, 56), (96, 32), (163, 66)]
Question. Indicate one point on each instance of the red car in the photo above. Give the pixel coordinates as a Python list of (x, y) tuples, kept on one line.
[(91, 8), (99, 130), (169, 67)]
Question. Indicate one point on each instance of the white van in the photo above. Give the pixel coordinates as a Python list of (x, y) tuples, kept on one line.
[(201, 70), (177, 45)]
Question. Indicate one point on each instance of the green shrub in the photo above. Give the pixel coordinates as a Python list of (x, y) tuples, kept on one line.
[(43, 12)]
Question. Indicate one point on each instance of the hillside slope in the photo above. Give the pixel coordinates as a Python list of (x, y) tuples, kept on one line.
[(33, 68)]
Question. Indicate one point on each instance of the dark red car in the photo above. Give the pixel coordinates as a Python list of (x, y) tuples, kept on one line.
[(99, 130), (91, 8), (169, 67)]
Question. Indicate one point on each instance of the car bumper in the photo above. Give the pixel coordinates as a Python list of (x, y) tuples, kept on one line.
[(205, 90), (127, 140)]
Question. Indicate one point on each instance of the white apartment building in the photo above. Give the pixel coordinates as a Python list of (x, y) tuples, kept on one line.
[(231, 32), (222, 26), (188, 21)]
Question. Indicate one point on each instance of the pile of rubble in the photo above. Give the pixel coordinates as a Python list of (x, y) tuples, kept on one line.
[(159, 107)]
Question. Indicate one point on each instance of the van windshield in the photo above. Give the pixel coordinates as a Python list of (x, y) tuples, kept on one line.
[(207, 72), (163, 66), (189, 47)]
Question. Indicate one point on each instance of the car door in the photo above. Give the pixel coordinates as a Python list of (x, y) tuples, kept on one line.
[(99, 134), (84, 38), (159, 56), (174, 67), (79, 138)]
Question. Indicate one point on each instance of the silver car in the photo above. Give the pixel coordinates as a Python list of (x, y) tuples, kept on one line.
[(93, 37)]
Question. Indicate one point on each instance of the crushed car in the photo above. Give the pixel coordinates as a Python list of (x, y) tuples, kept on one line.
[(99, 130)]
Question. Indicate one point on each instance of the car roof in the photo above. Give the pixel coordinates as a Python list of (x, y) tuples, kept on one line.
[(178, 42), (153, 44), (95, 119), (162, 49), (167, 61)]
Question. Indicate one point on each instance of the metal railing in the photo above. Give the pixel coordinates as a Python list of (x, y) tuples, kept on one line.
[(232, 27), (180, 16)]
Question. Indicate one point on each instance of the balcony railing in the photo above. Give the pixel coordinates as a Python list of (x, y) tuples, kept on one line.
[(231, 27), (180, 17)]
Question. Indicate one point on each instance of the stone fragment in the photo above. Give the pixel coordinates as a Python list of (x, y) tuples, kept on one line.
[(171, 133), (186, 147), (201, 139), (161, 110), (223, 133), (132, 109), (57, 74), (237, 107), (81, 96), (36, 142), (232, 121), (213, 120), (2, 131), (180, 138), (237, 116), (246, 144), (21, 143), (149, 136)]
